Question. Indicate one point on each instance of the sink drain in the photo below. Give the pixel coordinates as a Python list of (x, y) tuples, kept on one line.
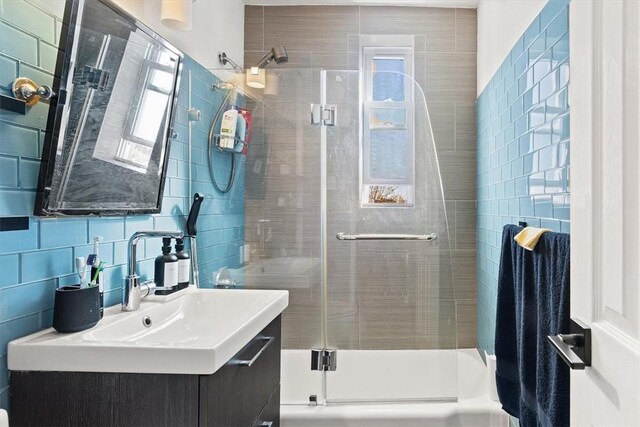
[(146, 321)]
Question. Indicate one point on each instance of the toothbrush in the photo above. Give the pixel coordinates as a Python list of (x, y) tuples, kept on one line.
[(81, 268), (91, 259), (95, 262), (94, 258), (96, 273)]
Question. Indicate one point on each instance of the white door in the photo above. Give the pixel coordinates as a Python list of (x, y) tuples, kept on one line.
[(605, 207)]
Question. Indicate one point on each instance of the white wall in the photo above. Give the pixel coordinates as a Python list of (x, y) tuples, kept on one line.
[(218, 25), (500, 24)]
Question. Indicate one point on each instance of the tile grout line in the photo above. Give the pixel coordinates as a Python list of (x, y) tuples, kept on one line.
[(455, 30)]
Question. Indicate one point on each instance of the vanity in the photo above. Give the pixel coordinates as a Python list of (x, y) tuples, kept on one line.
[(199, 357)]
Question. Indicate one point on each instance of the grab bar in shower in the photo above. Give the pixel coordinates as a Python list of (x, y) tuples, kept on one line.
[(425, 237)]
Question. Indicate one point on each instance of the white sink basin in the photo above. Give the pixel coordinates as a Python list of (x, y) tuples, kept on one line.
[(194, 333)]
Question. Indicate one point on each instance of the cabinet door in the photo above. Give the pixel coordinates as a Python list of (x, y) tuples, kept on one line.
[(103, 399), (236, 394)]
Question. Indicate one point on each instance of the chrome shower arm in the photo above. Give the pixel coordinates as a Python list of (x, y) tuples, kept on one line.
[(224, 60)]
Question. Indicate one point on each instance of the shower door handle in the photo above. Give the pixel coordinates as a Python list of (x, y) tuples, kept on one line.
[(423, 237)]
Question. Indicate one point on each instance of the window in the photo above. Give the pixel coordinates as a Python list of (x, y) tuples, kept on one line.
[(388, 138), (143, 127), (138, 108)]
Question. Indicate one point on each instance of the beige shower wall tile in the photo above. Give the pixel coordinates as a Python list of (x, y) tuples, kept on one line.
[(465, 224), (451, 76), (419, 42), (380, 295), (353, 59), (310, 28), (436, 24), (343, 323), (466, 30), (396, 323), (465, 125), (464, 273), (330, 60), (301, 325), (353, 43), (458, 175), (466, 320), (442, 116), (451, 223), (254, 28), (419, 70)]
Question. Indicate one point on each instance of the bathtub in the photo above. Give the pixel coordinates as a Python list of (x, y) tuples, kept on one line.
[(442, 401)]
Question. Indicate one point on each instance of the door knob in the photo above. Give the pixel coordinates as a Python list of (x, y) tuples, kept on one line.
[(575, 347)]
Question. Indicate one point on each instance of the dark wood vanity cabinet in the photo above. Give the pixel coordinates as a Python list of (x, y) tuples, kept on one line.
[(236, 395)]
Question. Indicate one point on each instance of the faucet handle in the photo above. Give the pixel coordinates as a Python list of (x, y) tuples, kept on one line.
[(146, 288), (149, 287)]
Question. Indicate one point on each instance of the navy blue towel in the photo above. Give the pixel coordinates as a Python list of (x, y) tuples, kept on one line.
[(533, 302)]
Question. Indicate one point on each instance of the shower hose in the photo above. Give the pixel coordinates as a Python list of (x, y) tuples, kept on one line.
[(211, 148)]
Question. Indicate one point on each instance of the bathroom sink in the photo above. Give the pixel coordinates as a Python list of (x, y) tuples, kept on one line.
[(194, 333)]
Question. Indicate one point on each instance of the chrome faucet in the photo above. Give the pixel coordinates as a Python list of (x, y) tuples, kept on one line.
[(131, 288)]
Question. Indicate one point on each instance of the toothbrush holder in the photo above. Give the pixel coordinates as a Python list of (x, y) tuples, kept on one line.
[(76, 309)]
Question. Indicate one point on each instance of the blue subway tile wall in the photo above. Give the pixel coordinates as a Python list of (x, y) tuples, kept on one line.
[(35, 261), (523, 148), (221, 222)]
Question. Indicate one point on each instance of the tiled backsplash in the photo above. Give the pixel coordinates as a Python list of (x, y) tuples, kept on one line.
[(523, 148), (34, 262)]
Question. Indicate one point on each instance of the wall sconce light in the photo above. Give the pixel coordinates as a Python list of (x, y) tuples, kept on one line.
[(255, 78), (177, 14)]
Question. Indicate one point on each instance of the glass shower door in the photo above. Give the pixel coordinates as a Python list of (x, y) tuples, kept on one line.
[(390, 307), (386, 306), (282, 217)]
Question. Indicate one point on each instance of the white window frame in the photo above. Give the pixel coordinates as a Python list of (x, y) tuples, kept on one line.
[(368, 54)]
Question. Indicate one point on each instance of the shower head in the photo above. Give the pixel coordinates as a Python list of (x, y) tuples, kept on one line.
[(277, 53)]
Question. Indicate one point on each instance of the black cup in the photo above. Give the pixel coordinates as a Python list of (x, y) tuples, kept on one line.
[(76, 309)]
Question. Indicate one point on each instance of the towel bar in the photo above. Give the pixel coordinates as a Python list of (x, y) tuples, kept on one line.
[(424, 237)]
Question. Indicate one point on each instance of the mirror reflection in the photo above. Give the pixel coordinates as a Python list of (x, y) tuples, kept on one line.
[(112, 144)]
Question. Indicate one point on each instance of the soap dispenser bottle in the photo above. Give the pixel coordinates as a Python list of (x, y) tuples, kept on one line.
[(166, 271), (184, 265)]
